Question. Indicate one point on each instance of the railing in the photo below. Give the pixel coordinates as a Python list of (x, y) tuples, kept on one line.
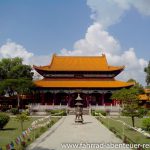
[(40, 107)]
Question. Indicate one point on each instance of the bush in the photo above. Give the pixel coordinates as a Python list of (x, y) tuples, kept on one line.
[(104, 113), (14, 111), (142, 112), (92, 112), (27, 112), (146, 123), (4, 119), (96, 112), (42, 129), (57, 112), (4, 108)]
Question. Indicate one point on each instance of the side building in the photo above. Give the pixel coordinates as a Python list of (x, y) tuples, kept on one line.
[(66, 76)]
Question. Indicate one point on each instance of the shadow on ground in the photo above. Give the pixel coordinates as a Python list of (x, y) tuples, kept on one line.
[(87, 122), (5, 129), (81, 123)]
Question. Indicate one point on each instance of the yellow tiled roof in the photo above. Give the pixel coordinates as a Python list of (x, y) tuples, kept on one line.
[(81, 83), (79, 63), (144, 97), (147, 91)]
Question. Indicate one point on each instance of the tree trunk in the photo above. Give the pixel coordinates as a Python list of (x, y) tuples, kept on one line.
[(133, 121), (18, 101)]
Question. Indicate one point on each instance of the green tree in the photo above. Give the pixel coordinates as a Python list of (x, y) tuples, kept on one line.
[(146, 123), (137, 86), (16, 77), (147, 71), (13, 68), (22, 118), (129, 99), (16, 87)]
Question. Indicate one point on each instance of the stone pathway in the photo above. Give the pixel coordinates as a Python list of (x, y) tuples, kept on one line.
[(66, 131)]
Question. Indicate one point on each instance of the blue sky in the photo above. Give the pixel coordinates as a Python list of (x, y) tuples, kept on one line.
[(43, 26), (134, 31), (34, 29)]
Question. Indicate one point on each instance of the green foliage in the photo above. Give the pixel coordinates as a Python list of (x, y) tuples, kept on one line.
[(13, 68), (137, 86), (146, 123), (4, 107), (126, 95), (147, 71), (4, 119), (96, 112), (22, 118), (57, 112), (142, 112), (14, 111), (27, 112), (19, 85), (129, 98), (42, 129), (16, 87), (15, 76)]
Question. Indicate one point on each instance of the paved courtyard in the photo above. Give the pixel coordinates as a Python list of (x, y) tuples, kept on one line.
[(66, 131)]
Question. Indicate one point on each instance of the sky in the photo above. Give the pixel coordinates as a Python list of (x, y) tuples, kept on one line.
[(35, 29)]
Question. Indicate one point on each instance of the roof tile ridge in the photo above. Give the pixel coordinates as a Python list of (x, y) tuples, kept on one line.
[(119, 67), (80, 56), (52, 60), (104, 57)]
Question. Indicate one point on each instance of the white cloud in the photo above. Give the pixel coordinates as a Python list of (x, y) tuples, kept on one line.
[(109, 12), (96, 41), (142, 6), (134, 67), (11, 49), (40, 60)]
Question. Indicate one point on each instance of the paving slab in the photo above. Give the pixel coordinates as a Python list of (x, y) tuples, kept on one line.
[(66, 134)]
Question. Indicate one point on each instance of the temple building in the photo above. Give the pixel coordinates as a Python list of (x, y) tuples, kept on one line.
[(66, 76)]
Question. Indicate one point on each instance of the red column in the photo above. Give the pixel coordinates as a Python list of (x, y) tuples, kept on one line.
[(102, 98), (42, 98), (69, 100), (53, 98), (87, 100)]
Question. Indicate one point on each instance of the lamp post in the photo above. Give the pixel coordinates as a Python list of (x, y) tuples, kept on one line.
[(79, 109)]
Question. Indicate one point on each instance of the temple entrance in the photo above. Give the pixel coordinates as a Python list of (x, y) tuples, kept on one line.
[(107, 99), (61, 99), (96, 99), (68, 99), (48, 98)]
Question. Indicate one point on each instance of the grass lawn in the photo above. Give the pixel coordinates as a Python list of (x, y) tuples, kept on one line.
[(138, 121), (120, 130), (13, 129)]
